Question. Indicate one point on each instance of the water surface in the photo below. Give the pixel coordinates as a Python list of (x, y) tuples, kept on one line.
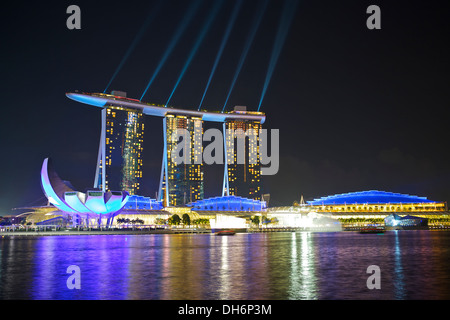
[(279, 266)]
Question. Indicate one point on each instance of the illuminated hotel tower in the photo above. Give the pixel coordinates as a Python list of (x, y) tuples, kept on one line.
[(121, 147), (182, 183), (122, 119), (242, 179)]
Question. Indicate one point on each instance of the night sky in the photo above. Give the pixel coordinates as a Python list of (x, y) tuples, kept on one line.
[(357, 109)]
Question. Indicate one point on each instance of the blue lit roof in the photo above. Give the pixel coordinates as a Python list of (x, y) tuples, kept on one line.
[(142, 203), (369, 197), (228, 203)]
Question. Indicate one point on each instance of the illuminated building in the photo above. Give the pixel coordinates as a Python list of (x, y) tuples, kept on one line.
[(142, 203), (228, 211), (91, 208), (183, 182), (143, 208), (229, 203), (221, 222), (102, 100), (121, 147), (377, 204), (179, 184), (297, 217), (242, 179)]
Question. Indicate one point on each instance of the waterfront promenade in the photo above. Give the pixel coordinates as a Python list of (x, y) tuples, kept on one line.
[(55, 231), (126, 231), (137, 231)]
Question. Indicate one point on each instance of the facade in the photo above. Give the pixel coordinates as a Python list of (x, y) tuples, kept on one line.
[(229, 204), (374, 206), (375, 201), (142, 203), (94, 207), (243, 179), (145, 209), (182, 182), (124, 140)]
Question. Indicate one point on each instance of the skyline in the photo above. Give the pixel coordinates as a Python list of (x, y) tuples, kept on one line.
[(361, 109)]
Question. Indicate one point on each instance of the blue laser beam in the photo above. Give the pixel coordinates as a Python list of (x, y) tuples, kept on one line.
[(288, 13), (230, 25), (256, 22), (176, 37), (209, 20), (136, 39)]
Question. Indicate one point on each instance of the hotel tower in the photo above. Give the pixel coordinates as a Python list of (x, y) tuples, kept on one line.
[(182, 183), (119, 164), (242, 173)]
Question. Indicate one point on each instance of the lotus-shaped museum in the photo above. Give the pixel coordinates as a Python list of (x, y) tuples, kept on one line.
[(92, 207)]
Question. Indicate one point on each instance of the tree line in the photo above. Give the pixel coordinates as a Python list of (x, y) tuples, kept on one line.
[(185, 220)]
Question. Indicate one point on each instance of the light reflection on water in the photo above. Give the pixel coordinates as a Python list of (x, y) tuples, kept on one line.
[(399, 278), (302, 273), (302, 265)]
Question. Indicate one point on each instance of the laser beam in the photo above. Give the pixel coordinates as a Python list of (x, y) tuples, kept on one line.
[(209, 20), (288, 13), (176, 37), (230, 25), (250, 38), (136, 39)]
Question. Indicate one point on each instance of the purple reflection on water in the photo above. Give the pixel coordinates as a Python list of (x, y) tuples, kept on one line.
[(103, 263), (414, 265)]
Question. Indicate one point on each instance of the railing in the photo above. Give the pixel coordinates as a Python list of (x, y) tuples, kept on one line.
[(35, 228)]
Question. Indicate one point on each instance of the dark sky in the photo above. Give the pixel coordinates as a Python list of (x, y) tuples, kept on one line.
[(357, 109)]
